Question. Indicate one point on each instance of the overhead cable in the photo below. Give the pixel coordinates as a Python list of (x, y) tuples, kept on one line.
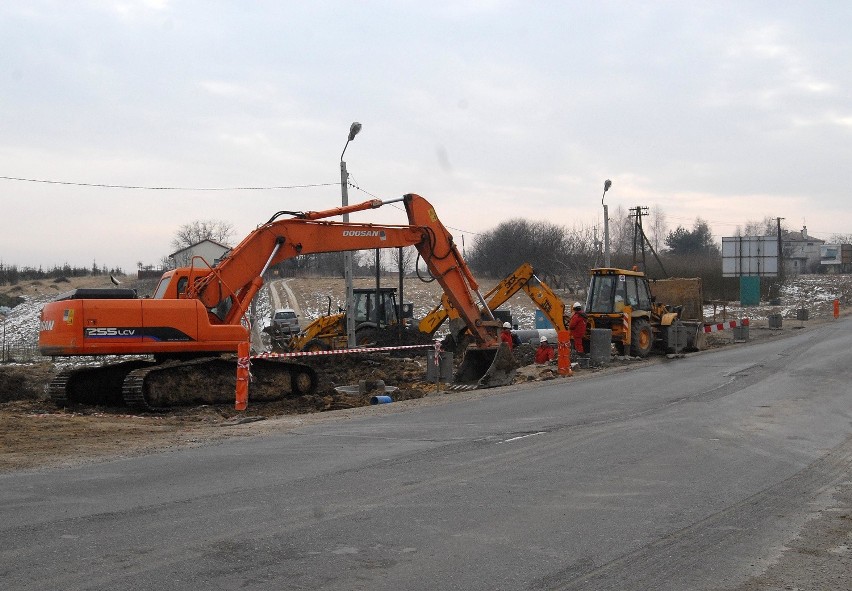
[(146, 188), (357, 188)]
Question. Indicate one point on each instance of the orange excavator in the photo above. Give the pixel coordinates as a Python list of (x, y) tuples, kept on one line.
[(194, 321)]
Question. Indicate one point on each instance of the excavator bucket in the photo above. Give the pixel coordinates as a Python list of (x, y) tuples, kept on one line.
[(487, 368)]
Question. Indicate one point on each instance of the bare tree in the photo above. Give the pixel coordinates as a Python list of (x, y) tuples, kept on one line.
[(194, 232), (408, 256), (658, 227), (768, 226), (578, 255), (500, 251), (621, 231)]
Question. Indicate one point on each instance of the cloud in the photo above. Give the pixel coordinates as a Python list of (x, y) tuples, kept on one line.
[(765, 68), (129, 9)]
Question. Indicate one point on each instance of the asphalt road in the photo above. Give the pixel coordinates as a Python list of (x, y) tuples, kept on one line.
[(690, 474)]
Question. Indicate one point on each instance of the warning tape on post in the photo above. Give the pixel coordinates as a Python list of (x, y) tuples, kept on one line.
[(339, 351), (725, 325)]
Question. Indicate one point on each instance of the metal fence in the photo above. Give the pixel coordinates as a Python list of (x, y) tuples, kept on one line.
[(20, 354)]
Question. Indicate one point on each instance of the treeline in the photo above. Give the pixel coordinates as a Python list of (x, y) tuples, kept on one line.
[(330, 264), (562, 256), (12, 274)]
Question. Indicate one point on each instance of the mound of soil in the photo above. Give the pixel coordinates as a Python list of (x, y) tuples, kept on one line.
[(24, 382)]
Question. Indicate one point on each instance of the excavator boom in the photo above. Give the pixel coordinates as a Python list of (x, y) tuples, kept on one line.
[(239, 273)]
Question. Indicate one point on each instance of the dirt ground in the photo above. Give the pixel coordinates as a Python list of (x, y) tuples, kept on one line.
[(34, 434)]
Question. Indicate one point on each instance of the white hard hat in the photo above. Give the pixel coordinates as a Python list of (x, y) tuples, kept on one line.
[(507, 325), (577, 305), (543, 339)]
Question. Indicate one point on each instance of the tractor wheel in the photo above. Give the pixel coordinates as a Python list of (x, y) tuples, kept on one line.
[(641, 338), (367, 337), (315, 345), (303, 381)]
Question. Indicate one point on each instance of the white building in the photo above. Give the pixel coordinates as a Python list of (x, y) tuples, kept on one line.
[(836, 258), (801, 252), (209, 252)]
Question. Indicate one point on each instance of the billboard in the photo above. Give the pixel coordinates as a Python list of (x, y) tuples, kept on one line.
[(746, 256), (835, 254)]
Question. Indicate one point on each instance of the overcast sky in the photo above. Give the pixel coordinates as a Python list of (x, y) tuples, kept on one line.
[(492, 110)]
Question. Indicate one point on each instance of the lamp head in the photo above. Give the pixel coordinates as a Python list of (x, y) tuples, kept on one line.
[(353, 130)]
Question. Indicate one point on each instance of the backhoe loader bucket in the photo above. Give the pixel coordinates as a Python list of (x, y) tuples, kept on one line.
[(487, 368)]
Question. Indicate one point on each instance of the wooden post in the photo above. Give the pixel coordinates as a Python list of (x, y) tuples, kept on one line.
[(836, 309)]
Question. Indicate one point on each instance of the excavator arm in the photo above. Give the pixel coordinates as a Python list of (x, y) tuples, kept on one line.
[(240, 274)]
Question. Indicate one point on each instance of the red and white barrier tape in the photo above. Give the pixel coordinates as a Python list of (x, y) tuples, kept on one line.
[(339, 351), (438, 352), (724, 325)]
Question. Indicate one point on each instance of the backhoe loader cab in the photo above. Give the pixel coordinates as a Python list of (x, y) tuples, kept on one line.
[(611, 290), (329, 331), (620, 300), (386, 313)]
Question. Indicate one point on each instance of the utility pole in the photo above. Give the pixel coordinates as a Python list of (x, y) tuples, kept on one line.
[(639, 236), (347, 254), (607, 185), (780, 253), (597, 246), (638, 233)]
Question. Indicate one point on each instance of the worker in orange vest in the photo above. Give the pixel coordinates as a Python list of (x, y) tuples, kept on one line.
[(577, 325), (544, 353), (506, 335)]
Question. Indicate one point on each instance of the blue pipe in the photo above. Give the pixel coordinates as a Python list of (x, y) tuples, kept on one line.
[(380, 400)]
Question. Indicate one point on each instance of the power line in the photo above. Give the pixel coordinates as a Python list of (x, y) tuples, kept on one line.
[(148, 188), (153, 188), (357, 188)]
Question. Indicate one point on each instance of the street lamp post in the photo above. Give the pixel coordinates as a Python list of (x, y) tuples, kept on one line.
[(347, 254), (607, 185)]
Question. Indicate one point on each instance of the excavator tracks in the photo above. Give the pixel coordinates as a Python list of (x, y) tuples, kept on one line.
[(213, 381), (149, 386), (100, 385)]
